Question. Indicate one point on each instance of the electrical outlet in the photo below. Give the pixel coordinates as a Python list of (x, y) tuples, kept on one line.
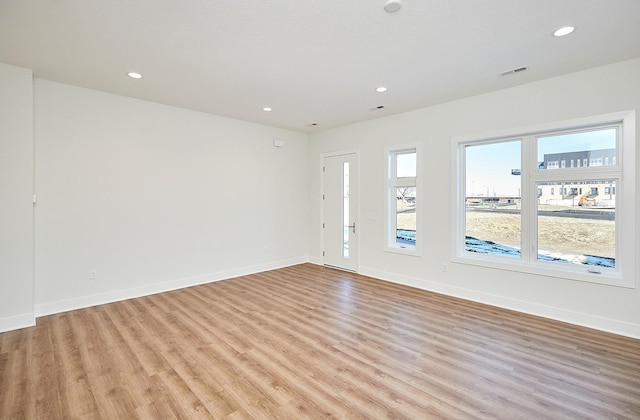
[(93, 274), (445, 268)]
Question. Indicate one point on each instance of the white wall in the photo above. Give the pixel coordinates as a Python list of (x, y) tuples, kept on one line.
[(16, 191), (155, 197), (597, 91)]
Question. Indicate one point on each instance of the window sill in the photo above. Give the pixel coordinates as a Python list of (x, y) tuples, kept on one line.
[(607, 277), (407, 250)]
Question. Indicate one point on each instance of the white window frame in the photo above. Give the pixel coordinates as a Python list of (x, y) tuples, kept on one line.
[(623, 275), (391, 200)]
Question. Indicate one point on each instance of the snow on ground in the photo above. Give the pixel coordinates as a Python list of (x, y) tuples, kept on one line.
[(487, 247)]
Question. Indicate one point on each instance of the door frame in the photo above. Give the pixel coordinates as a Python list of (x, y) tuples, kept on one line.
[(355, 152)]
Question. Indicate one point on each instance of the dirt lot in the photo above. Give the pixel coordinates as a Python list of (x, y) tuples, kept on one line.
[(406, 216), (558, 234)]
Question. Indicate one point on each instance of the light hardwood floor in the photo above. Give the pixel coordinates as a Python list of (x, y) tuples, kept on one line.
[(313, 342)]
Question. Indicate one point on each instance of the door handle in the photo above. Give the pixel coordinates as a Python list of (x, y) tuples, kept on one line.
[(353, 226)]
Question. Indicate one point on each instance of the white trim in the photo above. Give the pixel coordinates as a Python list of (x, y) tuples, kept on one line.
[(339, 153), (389, 208), (17, 322), (410, 250), (315, 260), (151, 289), (576, 318), (624, 274)]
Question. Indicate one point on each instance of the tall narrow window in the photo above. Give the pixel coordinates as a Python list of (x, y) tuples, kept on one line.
[(402, 200), (506, 219)]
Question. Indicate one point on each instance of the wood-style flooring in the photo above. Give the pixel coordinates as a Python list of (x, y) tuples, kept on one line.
[(313, 342)]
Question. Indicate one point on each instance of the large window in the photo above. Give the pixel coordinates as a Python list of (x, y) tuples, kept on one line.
[(402, 200), (520, 206)]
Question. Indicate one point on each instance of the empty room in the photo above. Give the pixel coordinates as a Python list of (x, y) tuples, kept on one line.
[(416, 209)]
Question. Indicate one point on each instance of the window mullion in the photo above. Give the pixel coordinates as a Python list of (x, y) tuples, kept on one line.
[(528, 203), (404, 182), (575, 174)]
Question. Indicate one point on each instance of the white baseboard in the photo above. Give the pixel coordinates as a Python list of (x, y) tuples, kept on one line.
[(50, 308), (17, 322), (564, 315), (315, 260), (577, 318)]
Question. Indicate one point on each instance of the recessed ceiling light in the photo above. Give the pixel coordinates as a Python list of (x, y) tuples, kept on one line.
[(134, 75), (381, 89), (564, 31), (267, 109), (392, 6)]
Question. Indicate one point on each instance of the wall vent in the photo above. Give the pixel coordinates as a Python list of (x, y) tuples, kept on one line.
[(514, 71)]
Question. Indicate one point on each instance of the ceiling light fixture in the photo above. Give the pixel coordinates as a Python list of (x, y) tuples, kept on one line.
[(566, 30), (267, 109), (134, 75), (392, 6), (381, 89)]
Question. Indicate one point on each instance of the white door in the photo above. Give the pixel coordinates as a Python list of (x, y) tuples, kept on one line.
[(340, 224)]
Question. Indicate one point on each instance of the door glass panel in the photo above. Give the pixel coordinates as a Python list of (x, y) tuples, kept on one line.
[(345, 209)]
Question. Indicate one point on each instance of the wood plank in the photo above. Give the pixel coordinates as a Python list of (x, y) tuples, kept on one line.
[(311, 342)]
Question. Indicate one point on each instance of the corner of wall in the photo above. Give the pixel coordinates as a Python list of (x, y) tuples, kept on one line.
[(17, 322)]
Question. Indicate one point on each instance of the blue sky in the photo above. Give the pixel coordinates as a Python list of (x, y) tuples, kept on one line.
[(489, 166)]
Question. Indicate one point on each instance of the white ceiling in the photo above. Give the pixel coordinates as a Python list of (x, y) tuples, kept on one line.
[(312, 61)]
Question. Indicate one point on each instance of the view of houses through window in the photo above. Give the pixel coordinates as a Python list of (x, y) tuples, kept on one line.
[(567, 211)]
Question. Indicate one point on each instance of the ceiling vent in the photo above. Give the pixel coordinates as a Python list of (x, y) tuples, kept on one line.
[(514, 71)]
